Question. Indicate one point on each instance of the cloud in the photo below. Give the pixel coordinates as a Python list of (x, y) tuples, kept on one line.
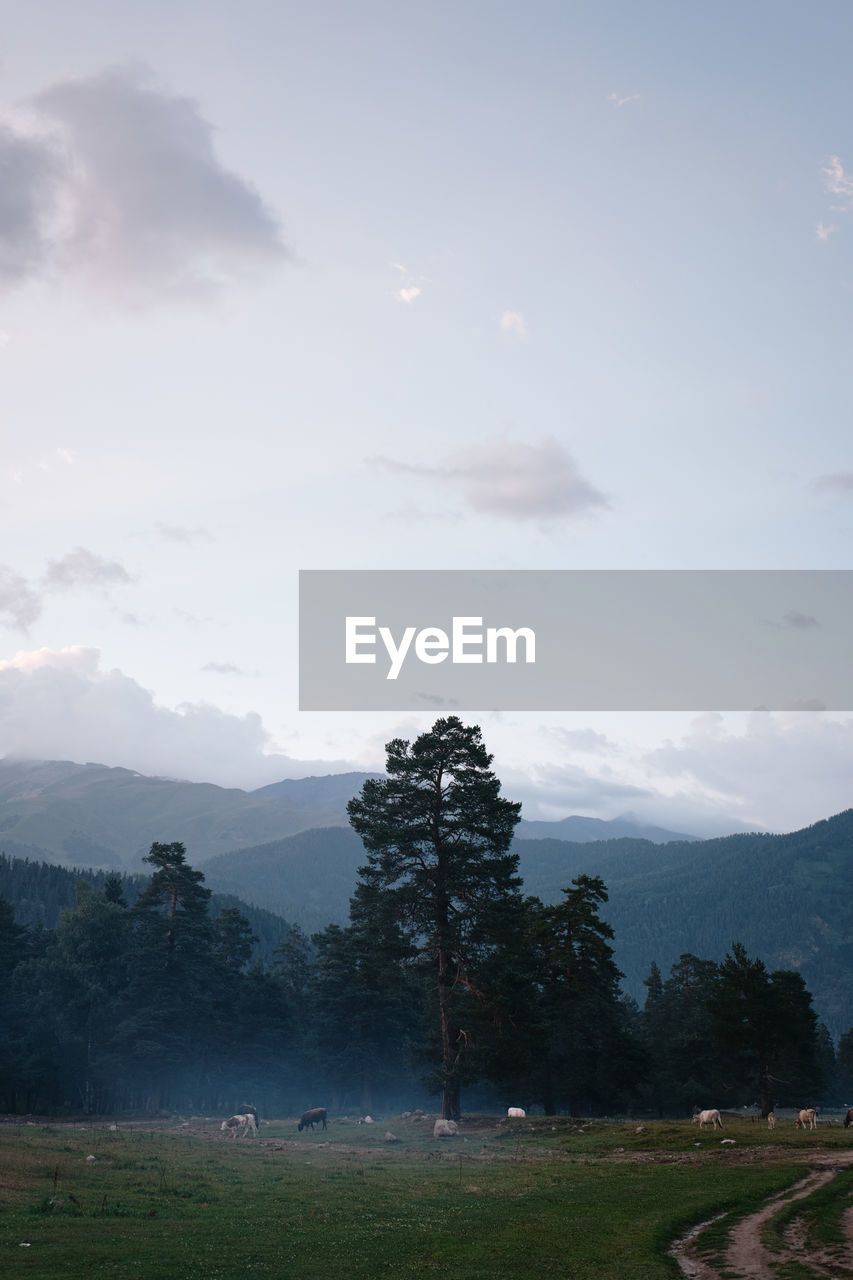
[(824, 232), (781, 771), (410, 286), (82, 568), (620, 102), (223, 668), (18, 601), (837, 182), (585, 740), (122, 186), (837, 483), (513, 322), (799, 621), (514, 481), (61, 705), (569, 786), (180, 533), (30, 171)]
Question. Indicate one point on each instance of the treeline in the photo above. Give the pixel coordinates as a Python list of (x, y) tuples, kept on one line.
[(141, 999)]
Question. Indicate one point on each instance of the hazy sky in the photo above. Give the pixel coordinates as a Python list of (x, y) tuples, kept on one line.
[(406, 285)]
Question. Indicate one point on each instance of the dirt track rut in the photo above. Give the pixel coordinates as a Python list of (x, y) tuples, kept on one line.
[(747, 1258)]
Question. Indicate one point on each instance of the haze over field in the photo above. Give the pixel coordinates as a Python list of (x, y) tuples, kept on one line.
[(385, 286)]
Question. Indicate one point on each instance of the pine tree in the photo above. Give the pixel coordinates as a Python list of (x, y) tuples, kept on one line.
[(439, 867)]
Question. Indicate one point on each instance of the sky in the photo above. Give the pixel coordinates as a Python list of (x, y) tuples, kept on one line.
[(481, 285)]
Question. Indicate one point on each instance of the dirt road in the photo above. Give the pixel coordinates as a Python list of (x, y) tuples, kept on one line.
[(748, 1258)]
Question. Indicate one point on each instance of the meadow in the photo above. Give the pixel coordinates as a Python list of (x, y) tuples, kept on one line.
[(176, 1200)]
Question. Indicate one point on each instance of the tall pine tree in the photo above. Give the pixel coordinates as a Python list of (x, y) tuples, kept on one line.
[(438, 835)]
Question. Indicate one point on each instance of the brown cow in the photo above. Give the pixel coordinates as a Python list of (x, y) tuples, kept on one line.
[(317, 1115)]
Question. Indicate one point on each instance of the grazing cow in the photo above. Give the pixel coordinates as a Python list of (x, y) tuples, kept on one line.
[(516, 1113), (807, 1119), (249, 1110), (317, 1115), (848, 1119), (712, 1118), (237, 1126), (771, 1120), (445, 1129)]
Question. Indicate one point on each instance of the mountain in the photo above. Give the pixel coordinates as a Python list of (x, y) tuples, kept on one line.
[(91, 815), (308, 877), (783, 896), (581, 830)]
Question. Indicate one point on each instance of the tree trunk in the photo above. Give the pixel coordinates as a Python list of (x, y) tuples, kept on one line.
[(450, 1096)]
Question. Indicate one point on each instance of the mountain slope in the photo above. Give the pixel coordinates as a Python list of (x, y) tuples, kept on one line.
[(91, 815), (782, 896)]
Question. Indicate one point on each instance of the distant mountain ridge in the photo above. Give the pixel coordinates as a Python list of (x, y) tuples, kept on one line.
[(581, 830), (99, 816), (94, 815)]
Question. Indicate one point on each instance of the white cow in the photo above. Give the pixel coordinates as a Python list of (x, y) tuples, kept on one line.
[(445, 1129), (238, 1126), (771, 1120), (712, 1118), (807, 1119), (516, 1113)]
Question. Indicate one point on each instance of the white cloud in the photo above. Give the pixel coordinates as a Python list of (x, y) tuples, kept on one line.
[(824, 232), (410, 287), (122, 186), (63, 705), (513, 322), (837, 182), (780, 772), (620, 102), (515, 481)]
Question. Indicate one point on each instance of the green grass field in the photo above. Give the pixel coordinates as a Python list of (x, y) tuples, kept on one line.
[(553, 1198)]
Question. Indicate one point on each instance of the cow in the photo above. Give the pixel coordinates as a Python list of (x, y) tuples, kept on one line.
[(317, 1115), (237, 1126), (771, 1120), (516, 1113), (807, 1119), (848, 1119), (445, 1129), (712, 1118)]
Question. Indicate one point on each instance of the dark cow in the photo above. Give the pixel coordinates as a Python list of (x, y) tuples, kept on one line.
[(848, 1119), (317, 1115)]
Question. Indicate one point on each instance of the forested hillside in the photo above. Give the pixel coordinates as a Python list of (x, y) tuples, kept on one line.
[(145, 996), (39, 892), (782, 896)]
